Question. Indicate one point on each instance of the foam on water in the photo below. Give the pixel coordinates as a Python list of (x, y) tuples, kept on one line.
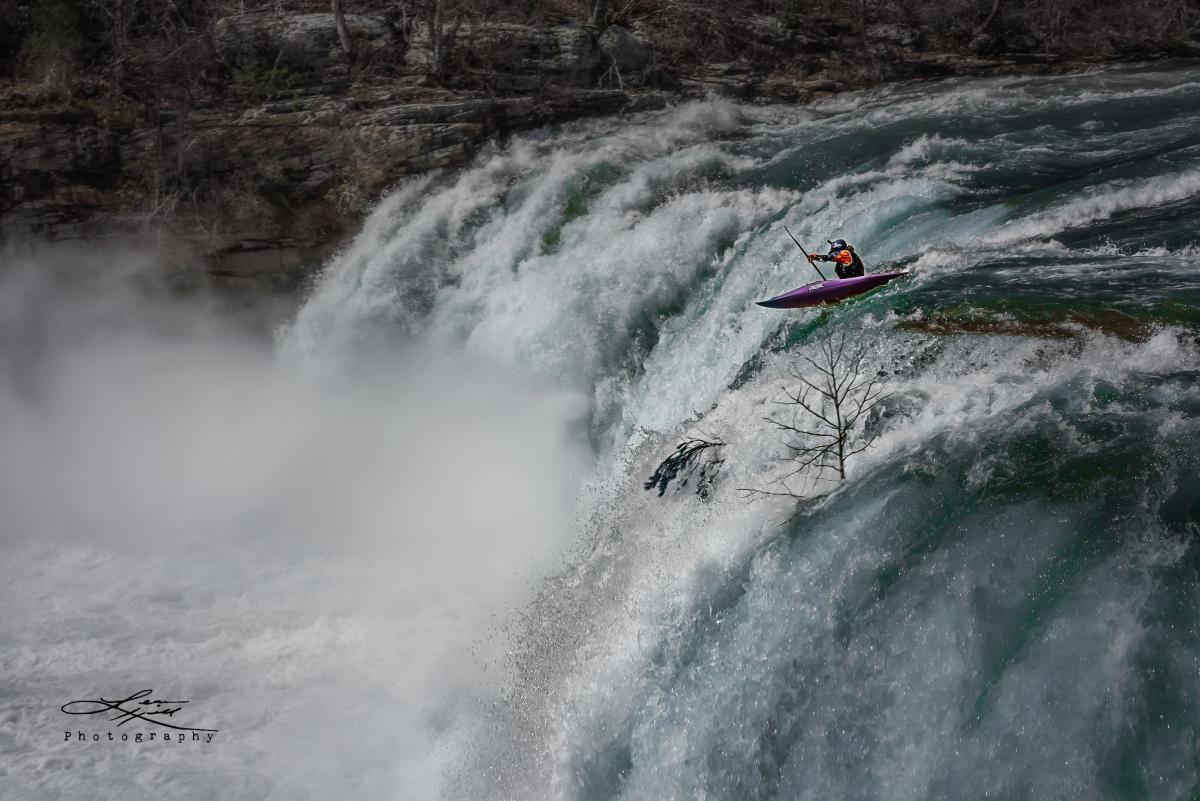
[(712, 643), (1099, 203), (434, 548)]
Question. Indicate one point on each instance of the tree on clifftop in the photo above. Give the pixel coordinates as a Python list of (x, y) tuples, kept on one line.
[(339, 20), (599, 14)]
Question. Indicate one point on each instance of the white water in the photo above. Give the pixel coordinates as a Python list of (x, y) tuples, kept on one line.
[(406, 554), (312, 563)]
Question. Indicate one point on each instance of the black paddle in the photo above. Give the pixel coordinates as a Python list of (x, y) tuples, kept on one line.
[(806, 256)]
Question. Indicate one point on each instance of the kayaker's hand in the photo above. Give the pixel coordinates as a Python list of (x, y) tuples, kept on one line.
[(812, 257)]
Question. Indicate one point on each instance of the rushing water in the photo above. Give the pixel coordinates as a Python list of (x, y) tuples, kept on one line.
[(1002, 599)]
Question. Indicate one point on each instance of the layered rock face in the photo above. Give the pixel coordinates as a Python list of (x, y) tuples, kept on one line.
[(285, 177), (299, 42), (254, 180), (258, 189)]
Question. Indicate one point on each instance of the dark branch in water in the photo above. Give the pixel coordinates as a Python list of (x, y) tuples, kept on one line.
[(688, 460)]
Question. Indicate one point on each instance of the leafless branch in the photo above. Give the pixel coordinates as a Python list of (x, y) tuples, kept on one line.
[(825, 432)]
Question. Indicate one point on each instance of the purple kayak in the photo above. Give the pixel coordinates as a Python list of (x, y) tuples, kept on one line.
[(830, 291)]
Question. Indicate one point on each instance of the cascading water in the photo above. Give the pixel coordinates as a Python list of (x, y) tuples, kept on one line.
[(1000, 601)]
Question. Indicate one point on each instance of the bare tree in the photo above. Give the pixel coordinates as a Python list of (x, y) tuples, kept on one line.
[(442, 21), (599, 14), (339, 20), (441, 36), (983, 26), (834, 394), (116, 19)]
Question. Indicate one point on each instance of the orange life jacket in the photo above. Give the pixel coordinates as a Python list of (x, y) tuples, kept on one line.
[(848, 263)]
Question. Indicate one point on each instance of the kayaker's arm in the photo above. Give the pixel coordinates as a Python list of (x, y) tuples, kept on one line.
[(841, 257)]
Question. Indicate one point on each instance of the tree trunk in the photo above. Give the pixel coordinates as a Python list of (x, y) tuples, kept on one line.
[(991, 16), (842, 432), (600, 14), (436, 54), (340, 21)]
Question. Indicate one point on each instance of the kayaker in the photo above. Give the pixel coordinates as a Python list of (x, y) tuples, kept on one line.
[(848, 263)]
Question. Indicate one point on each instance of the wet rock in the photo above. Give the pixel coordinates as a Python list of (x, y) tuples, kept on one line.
[(784, 90), (732, 79)]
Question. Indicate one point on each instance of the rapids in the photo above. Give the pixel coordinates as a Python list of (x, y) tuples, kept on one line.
[(468, 595)]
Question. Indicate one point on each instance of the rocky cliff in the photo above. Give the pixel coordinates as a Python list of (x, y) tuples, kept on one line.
[(253, 180), (258, 183)]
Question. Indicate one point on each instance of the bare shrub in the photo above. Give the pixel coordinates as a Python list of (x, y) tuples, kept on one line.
[(834, 394)]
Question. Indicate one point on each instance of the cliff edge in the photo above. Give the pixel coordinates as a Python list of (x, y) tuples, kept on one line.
[(245, 139)]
